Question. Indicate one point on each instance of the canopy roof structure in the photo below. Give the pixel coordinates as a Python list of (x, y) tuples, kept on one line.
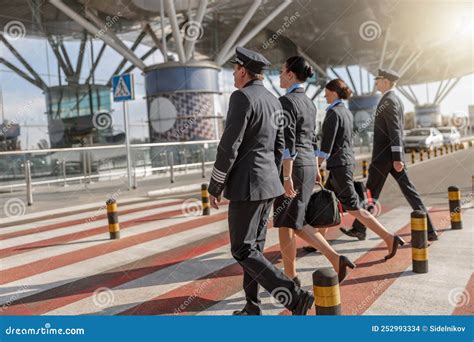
[(425, 40)]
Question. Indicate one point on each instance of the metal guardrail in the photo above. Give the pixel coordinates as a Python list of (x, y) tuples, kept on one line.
[(188, 156)]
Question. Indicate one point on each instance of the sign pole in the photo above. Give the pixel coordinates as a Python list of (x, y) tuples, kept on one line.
[(127, 144)]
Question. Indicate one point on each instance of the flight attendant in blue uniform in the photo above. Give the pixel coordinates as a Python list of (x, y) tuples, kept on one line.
[(337, 150), (300, 171)]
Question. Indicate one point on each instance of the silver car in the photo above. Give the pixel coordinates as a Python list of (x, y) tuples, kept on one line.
[(423, 139), (450, 135)]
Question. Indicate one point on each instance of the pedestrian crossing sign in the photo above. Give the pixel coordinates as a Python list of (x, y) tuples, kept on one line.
[(122, 87)]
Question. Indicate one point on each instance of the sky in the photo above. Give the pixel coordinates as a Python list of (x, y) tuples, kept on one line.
[(24, 103)]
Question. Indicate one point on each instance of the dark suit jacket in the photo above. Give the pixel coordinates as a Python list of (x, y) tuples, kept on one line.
[(249, 155), (388, 129), (300, 127), (337, 132)]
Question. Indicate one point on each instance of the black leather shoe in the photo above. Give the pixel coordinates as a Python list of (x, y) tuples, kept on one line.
[(353, 233), (244, 312), (397, 241), (432, 236), (344, 262), (305, 303), (297, 281)]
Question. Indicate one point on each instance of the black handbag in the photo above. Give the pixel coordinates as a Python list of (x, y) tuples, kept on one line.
[(323, 209)]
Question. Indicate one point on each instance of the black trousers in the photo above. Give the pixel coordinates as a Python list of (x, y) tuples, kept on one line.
[(378, 173), (247, 228)]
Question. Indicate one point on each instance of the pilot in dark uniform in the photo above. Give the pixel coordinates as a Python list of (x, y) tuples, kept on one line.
[(387, 154), (338, 151), (247, 169)]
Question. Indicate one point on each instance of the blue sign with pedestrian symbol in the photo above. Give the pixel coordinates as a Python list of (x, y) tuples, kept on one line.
[(122, 87)]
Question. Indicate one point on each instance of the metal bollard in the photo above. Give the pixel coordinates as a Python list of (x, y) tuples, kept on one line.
[(419, 241), (29, 189), (206, 207), (171, 165), (421, 155), (413, 157), (454, 196), (327, 297), (203, 162), (112, 216), (364, 169)]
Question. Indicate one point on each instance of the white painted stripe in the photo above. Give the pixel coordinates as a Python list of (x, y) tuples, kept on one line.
[(65, 211), (353, 249), (36, 254), (38, 237), (47, 280), (97, 210), (133, 293), (449, 270)]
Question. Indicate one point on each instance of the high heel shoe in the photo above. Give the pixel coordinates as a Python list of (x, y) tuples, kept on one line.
[(397, 241), (344, 262)]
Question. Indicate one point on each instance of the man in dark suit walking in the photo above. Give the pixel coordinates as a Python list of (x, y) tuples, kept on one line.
[(247, 167), (387, 155)]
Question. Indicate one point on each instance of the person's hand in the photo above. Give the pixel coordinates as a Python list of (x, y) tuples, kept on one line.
[(215, 201), (398, 166), (317, 179), (289, 189)]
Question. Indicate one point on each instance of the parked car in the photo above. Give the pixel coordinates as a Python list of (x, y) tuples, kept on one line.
[(451, 135), (423, 138)]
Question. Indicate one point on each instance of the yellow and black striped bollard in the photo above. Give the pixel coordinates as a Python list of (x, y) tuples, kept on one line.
[(446, 149), (327, 297), (413, 157), (419, 241), (206, 207), (364, 169), (441, 151), (435, 152), (112, 216), (428, 153), (451, 148), (454, 196), (421, 155)]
